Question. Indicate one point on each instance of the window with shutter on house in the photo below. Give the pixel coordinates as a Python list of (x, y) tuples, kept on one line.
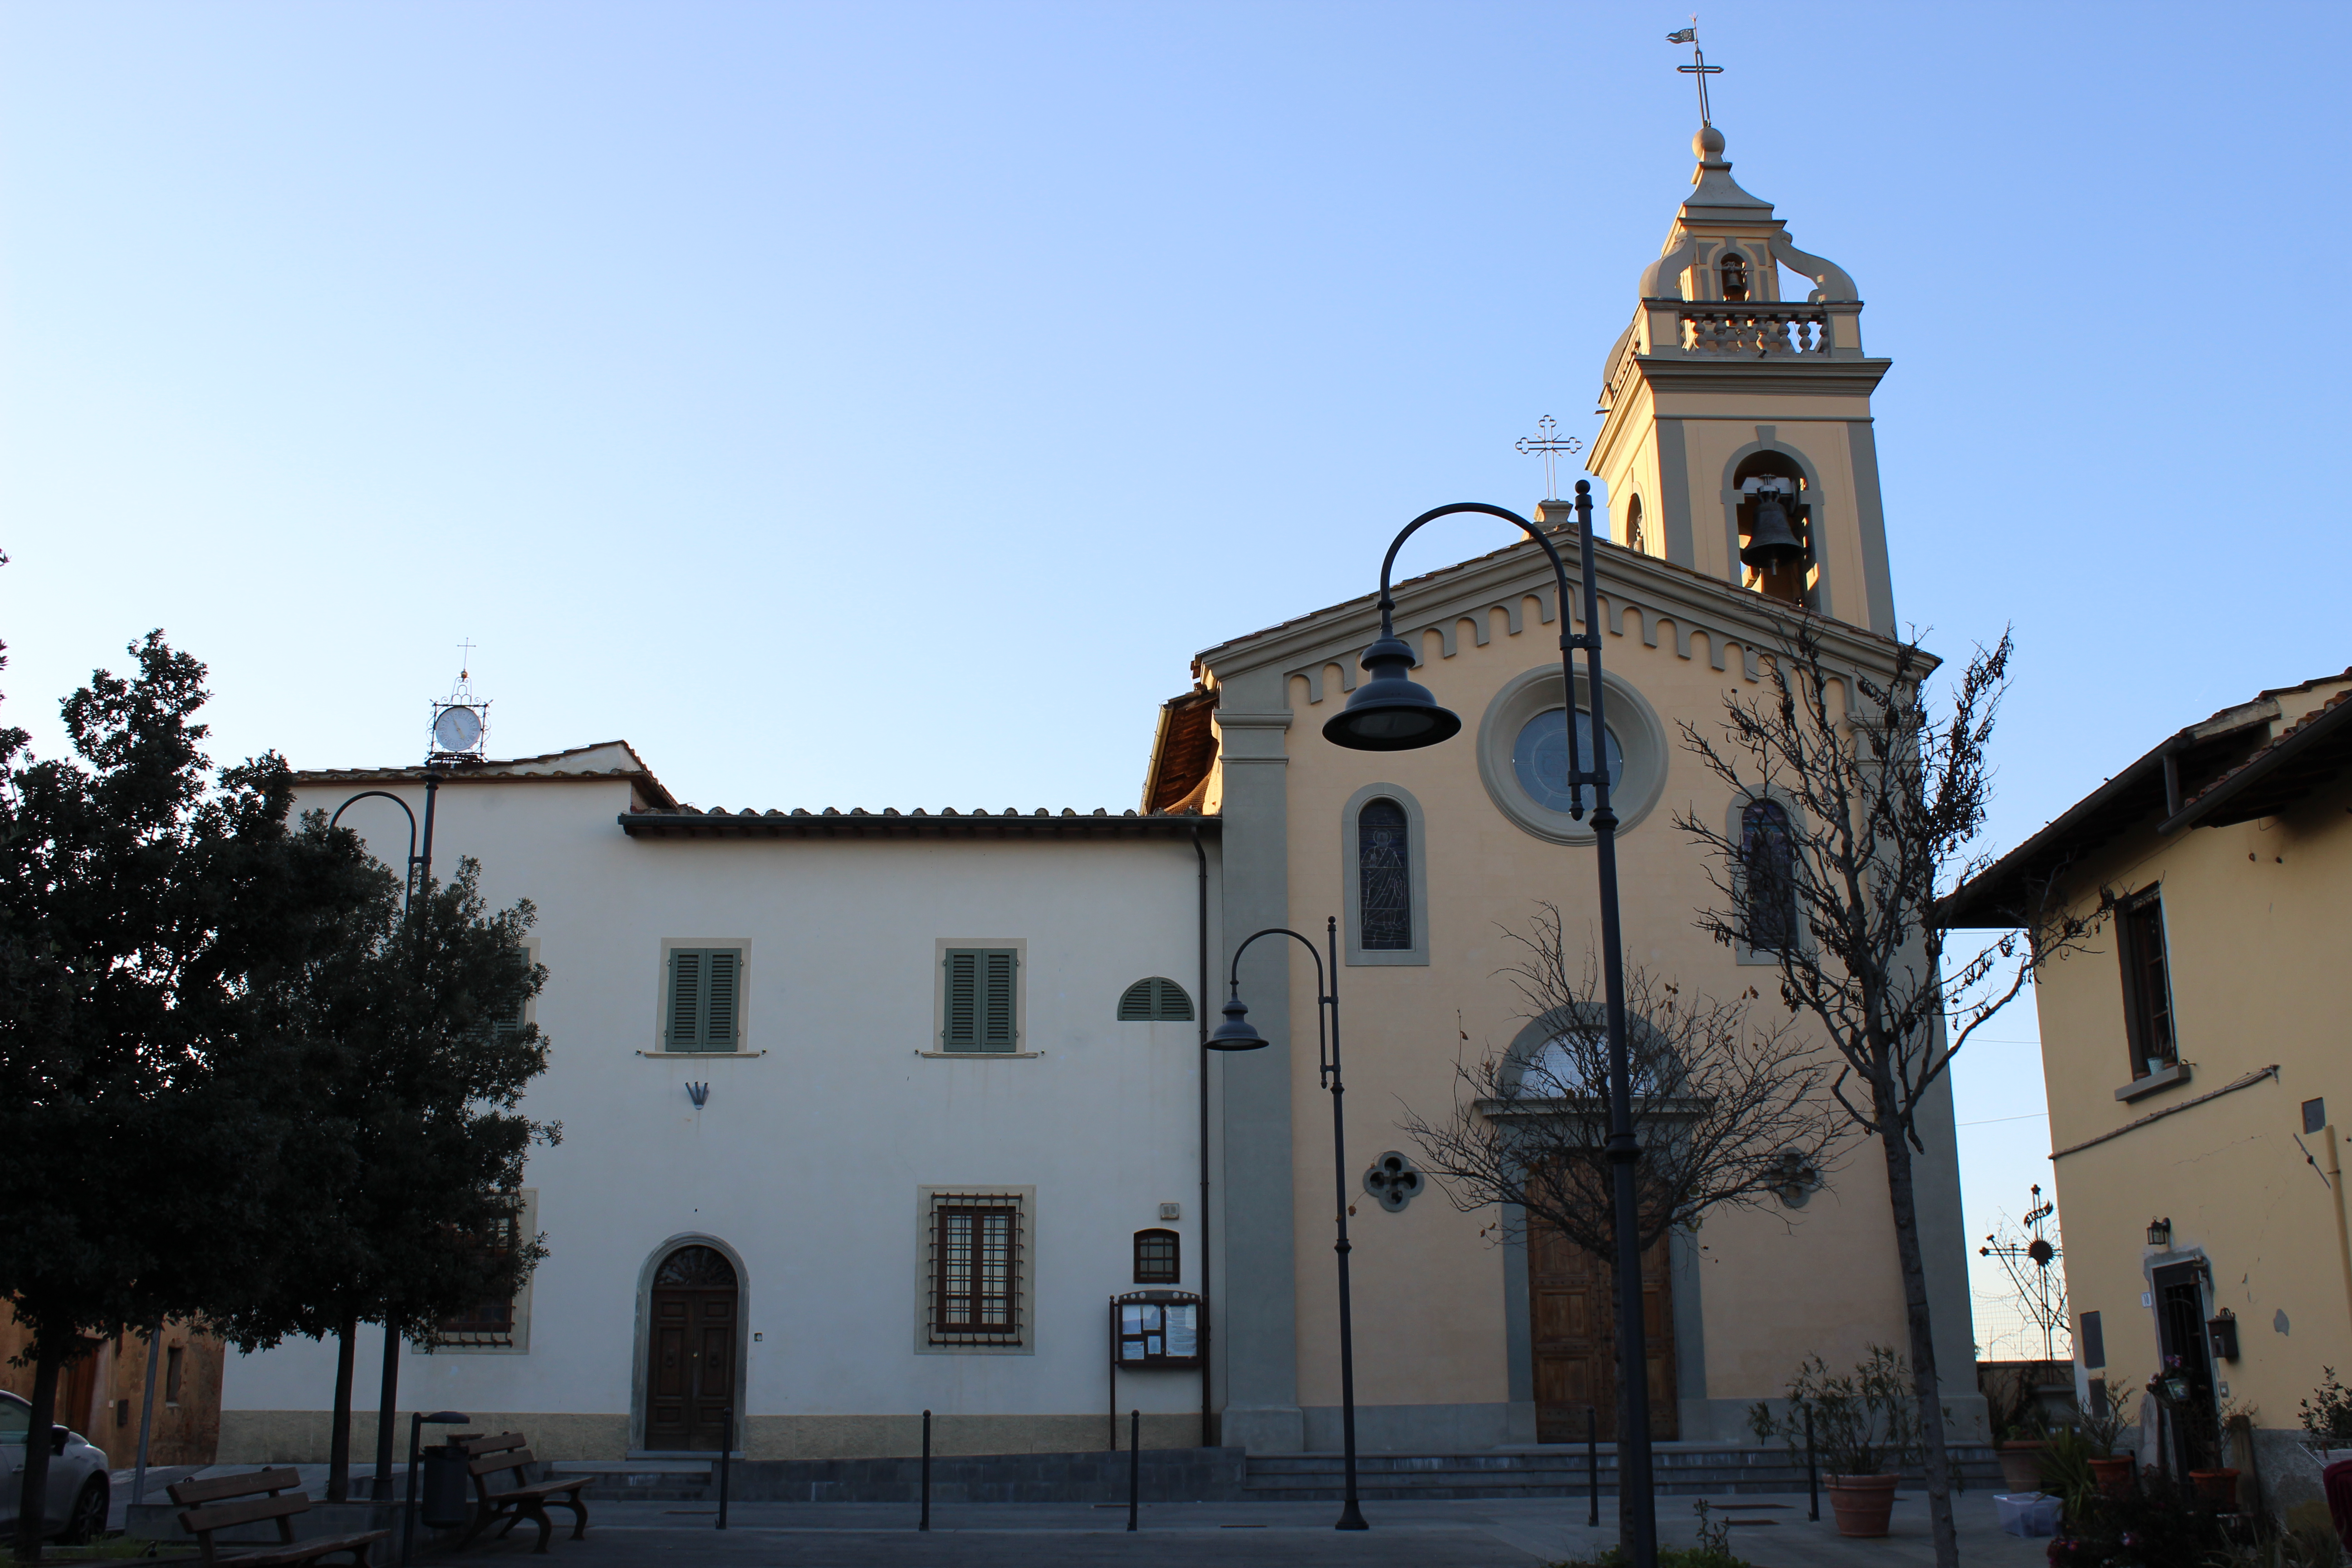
[(981, 1004), (705, 999), (1156, 1000)]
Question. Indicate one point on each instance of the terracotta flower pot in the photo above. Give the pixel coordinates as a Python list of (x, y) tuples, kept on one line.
[(1864, 1503), (2218, 1487), (2021, 1465), (2115, 1474)]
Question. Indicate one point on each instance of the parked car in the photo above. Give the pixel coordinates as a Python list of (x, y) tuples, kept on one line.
[(76, 1508)]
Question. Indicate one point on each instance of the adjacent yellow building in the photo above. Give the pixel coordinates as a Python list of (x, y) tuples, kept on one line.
[(2195, 1048)]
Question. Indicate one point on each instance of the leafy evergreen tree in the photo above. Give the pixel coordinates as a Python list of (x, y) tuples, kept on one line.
[(402, 1205), (151, 915)]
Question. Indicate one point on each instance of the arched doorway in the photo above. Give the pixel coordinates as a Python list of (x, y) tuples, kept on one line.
[(691, 1354)]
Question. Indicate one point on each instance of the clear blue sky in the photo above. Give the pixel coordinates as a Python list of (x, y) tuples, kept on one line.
[(878, 405)]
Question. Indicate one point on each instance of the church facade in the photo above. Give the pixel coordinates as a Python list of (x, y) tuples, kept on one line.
[(848, 1141)]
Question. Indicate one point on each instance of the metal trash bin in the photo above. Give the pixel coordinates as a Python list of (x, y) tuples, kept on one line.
[(447, 1496)]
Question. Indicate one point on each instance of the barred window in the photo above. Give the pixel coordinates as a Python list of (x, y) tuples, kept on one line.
[(1157, 1259), (489, 1324), (976, 1257), (1384, 876)]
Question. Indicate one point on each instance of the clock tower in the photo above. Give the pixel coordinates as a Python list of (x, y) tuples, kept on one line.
[(1738, 434)]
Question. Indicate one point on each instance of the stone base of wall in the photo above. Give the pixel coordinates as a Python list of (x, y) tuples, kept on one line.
[(301, 1436)]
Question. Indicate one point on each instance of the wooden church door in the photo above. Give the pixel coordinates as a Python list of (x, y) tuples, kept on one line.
[(1573, 1327), (690, 1364)]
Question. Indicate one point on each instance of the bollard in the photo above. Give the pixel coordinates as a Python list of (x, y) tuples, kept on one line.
[(1813, 1474), (1134, 1462), (1592, 1464), (726, 1453), (926, 1523)]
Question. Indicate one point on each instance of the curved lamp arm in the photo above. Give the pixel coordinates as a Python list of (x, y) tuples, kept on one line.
[(1576, 778), (1233, 988), (405, 811)]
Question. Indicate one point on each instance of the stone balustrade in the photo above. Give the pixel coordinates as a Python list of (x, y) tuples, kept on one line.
[(1755, 331)]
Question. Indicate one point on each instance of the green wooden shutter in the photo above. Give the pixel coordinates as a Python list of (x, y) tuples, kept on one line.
[(963, 1030), (1137, 1005), (685, 998), (998, 1026), (726, 967), (978, 1012), (705, 998), (1171, 1006)]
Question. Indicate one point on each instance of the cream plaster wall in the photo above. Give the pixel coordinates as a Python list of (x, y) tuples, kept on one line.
[(2258, 922), (1430, 1293), (807, 1157)]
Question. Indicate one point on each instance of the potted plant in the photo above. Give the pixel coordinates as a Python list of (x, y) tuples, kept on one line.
[(2327, 1420), (2020, 1447), (2112, 1470), (1864, 1428)]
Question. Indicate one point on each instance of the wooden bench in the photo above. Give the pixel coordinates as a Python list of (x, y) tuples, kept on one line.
[(489, 1457), (266, 1495)]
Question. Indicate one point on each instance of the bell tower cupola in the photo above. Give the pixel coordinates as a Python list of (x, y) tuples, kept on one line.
[(1738, 426)]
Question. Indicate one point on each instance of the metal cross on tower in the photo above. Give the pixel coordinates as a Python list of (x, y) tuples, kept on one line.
[(2041, 1295), (464, 658), (1698, 67), (1551, 444)]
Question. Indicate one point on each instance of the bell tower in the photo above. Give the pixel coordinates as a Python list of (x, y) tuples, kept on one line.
[(1738, 439)]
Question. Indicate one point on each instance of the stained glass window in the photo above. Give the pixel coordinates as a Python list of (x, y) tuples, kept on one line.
[(1767, 858), (1384, 873)]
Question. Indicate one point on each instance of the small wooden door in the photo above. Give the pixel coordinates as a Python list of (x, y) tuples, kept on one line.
[(1573, 1323), (691, 1363)]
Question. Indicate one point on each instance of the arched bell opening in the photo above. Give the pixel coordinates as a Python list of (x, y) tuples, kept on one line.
[(1775, 517)]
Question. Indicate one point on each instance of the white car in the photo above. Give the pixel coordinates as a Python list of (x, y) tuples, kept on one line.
[(76, 1508)]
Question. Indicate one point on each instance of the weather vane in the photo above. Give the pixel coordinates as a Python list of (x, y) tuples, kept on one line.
[(1698, 67), (1551, 444)]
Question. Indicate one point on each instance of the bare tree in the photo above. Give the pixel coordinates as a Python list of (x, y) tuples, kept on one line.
[(1865, 800), (1729, 1112)]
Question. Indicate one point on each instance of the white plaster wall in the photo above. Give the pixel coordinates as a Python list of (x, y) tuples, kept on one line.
[(806, 1159)]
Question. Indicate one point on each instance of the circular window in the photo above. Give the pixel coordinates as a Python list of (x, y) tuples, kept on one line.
[(1523, 753), (1540, 757)]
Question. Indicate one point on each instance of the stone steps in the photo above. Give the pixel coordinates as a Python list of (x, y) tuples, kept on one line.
[(1167, 1475), (1677, 1470)]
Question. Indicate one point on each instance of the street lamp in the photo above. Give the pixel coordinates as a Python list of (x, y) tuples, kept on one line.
[(1391, 712), (1238, 1034), (420, 872)]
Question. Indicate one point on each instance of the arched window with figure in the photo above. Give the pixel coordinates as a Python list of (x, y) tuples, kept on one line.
[(1384, 876), (1768, 869), (1734, 272), (1633, 538)]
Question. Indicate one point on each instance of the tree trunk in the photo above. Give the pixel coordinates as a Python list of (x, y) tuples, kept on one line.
[(338, 1439), (1904, 1200), (388, 1397), (31, 1503)]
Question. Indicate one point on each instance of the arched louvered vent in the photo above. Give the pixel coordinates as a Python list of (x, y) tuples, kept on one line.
[(1156, 1000)]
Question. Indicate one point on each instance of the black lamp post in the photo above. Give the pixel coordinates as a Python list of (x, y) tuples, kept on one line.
[(420, 871), (1391, 712), (1237, 1033)]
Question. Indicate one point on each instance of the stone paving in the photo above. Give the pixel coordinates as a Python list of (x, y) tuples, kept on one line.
[(1499, 1534)]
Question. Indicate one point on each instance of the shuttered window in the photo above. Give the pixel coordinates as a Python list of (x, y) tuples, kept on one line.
[(706, 986), (1157, 1000), (980, 1004)]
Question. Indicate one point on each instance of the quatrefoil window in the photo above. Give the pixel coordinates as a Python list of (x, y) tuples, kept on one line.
[(1393, 1180)]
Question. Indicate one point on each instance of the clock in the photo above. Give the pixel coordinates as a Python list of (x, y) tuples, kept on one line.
[(457, 728)]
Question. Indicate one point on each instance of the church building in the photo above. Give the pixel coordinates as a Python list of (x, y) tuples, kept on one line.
[(870, 1112)]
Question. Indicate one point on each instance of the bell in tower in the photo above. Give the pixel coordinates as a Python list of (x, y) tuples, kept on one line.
[(1737, 423)]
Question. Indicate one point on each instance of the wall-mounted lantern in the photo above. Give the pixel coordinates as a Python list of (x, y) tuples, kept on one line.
[(2159, 1232), (2222, 1335)]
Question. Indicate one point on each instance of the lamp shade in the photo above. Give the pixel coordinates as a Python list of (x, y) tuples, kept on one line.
[(1392, 712), (1236, 1033)]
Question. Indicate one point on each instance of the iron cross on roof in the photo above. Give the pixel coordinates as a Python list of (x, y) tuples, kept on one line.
[(1551, 444), (1698, 67)]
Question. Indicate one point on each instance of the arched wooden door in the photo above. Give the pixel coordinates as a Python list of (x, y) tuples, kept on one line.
[(691, 1363), (1572, 1325)]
